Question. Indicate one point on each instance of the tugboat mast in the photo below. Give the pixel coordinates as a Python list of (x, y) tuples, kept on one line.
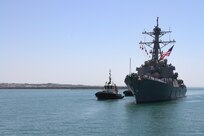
[(109, 77), (156, 34)]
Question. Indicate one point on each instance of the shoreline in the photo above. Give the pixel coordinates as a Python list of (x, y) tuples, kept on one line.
[(50, 86)]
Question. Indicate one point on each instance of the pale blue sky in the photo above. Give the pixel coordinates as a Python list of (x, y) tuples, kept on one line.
[(78, 41)]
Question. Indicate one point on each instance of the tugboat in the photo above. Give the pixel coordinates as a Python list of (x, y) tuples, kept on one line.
[(110, 91), (156, 80)]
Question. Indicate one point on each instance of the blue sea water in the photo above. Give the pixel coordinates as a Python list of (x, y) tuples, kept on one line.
[(69, 112)]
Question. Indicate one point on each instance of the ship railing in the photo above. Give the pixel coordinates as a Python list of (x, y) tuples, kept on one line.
[(168, 80), (110, 88), (153, 78)]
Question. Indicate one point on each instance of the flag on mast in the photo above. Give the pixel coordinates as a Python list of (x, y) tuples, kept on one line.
[(166, 53)]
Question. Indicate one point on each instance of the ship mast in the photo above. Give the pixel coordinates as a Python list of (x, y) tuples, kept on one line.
[(130, 67), (156, 34), (109, 77)]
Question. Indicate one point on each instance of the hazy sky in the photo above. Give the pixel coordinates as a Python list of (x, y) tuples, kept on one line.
[(78, 41)]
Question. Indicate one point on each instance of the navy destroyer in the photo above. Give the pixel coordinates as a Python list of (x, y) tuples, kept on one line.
[(155, 80), (110, 91)]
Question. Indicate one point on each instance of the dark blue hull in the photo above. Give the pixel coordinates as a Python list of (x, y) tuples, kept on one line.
[(148, 90), (103, 95), (128, 93)]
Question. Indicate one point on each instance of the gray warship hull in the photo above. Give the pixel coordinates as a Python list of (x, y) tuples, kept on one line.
[(153, 90)]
